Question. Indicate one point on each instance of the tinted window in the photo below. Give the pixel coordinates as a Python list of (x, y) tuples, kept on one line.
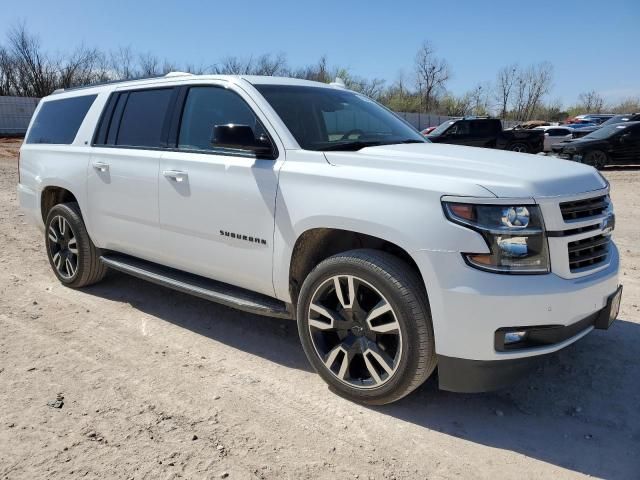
[(460, 128), (207, 107), (58, 121), (442, 127), (327, 118), (482, 128), (143, 118)]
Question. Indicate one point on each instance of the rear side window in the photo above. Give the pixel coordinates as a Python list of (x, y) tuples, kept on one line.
[(143, 118), (482, 128), (58, 121)]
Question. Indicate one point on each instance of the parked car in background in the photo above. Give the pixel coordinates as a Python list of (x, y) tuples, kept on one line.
[(487, 132), (428, 130), (598, 117), (553, 135), (586, 130), (610, 145)]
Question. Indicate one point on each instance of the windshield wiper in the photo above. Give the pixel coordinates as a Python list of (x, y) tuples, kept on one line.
[(357, 145), (351, 146)]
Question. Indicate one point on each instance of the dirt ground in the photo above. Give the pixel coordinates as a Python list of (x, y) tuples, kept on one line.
[(159, 385)]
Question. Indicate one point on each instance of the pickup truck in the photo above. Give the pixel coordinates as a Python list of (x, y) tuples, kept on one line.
[(488, 133), (300, 200)]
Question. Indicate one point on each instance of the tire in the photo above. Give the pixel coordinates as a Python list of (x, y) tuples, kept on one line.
[(597, 159), (399, 333), (74, 258), (519, 147)]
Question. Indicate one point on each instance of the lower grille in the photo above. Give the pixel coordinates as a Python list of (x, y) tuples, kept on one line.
[(588, 252)]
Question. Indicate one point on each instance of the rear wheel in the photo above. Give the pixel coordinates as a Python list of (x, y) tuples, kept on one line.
[(73, 257), (597, 159), (519, 147), (365, 326)]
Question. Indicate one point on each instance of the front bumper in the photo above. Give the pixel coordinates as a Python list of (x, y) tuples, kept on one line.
[(471, 376), (468, 305)]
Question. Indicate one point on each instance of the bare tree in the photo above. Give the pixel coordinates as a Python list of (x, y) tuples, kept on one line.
[(121, 63), (371, 88), (591, 102), (7, 73), (83, 67), (270, 65), (149, 65), (432, 74), (34, 72), (505, 83), (530, 86)]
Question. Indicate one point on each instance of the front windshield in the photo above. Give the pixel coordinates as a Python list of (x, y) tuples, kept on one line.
[(333, 119), (442, 127), (616, 119), (605, 132)]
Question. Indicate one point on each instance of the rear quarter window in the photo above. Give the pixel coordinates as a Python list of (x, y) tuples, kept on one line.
[(58, 121)]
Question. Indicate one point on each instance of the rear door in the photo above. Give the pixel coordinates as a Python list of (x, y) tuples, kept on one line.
[(627, 146), (123, 172), (483, 133), (217, 205)]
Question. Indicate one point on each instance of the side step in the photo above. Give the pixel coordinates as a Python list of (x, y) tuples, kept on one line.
[(198, 286)]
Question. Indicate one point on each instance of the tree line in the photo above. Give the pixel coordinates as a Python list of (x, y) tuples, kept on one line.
[(517, 93)]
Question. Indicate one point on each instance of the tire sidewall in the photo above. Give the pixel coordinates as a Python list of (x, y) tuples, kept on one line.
[(588, 159), (521, 145), (77, 227), (409, 359)]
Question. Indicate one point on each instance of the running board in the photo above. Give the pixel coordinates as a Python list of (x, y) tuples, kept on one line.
[(202, 287)]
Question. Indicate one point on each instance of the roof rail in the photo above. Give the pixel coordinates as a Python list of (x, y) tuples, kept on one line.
[(112, 82)]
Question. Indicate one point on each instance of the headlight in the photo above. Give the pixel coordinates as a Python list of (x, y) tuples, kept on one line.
[(514, 234)]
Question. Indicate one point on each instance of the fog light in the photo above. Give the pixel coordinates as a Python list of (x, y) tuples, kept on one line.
[(514, 337)]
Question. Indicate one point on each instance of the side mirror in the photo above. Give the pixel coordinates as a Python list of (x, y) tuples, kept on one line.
[(240, 137)]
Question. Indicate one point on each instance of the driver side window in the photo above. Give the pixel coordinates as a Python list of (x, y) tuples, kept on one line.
[(460, 128), (206, 107)]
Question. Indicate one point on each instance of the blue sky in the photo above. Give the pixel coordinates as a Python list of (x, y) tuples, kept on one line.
[(592, 44)]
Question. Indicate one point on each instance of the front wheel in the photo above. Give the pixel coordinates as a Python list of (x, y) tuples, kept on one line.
[(597, 159), (365, 326), (519, 147)]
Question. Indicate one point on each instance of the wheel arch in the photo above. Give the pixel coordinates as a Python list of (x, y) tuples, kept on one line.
[(53, 195), (317, 244)]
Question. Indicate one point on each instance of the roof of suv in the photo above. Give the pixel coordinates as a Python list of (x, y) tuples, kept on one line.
[(252, 79)]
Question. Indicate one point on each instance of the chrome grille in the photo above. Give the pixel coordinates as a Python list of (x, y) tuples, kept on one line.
[(584, 209), (588, 252)]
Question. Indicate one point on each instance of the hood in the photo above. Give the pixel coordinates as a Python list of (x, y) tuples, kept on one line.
[(505, 174)]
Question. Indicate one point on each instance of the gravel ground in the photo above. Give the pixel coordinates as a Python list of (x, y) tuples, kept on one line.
[(126, 379)]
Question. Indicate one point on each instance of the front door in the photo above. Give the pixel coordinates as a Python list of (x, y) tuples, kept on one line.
[(217, 205)]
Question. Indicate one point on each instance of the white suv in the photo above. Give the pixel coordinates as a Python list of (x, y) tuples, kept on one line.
[(308, 201)]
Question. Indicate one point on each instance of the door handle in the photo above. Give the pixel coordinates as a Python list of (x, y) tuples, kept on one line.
[(175, 175), (101, 166)]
